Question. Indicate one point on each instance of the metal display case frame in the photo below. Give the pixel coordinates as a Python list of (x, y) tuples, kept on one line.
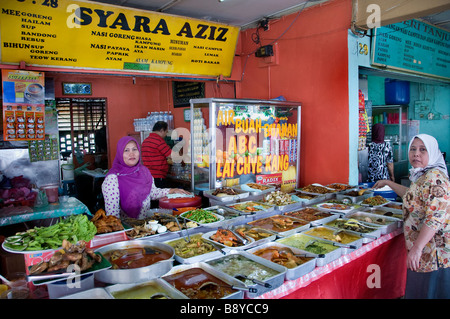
[(214, 104)]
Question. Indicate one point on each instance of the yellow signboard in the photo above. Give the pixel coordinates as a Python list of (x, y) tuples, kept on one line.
[(80, 34)]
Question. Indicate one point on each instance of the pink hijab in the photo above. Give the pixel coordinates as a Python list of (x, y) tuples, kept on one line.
[(135, 182)]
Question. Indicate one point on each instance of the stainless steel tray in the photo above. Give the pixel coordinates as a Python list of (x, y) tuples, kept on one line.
[(393, 223), (229, 198), (315, 222), (196, 258), (125, 276), (356, 243), (218, 223), (396, 213), (231, 216), (368, 237), (274, 281), (296, 272), (327, 207), (289, 232), (343, 196), (209, 234), (270, 236), (214, 272), (347, 187), (328, 257), (306, 202), (94, 293), (256, 192), (262, 210), (163, 286)]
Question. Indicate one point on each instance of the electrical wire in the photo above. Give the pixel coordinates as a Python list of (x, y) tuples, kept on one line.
[(273, 41)]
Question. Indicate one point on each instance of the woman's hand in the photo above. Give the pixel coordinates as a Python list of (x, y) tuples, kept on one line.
[(413, 258), (381, 183), (178, 191)]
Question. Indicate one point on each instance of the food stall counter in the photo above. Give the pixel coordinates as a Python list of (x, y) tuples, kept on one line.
[(72, 206)]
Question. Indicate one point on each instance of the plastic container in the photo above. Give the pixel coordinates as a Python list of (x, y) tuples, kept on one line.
[(390, 195), (63, 288), (67, 172), (52, 193), (396, 92)]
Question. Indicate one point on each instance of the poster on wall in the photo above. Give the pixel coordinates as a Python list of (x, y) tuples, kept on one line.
[(89, 35), (23, 105)]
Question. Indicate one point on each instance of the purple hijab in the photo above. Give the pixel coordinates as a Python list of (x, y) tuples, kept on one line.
[(135, 182)]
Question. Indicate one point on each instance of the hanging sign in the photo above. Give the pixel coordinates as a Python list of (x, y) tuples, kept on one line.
[(23, 105), (80, 34), (413, 46)]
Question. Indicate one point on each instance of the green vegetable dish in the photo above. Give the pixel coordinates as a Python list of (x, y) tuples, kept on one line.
[(201, 216), (73, 228)]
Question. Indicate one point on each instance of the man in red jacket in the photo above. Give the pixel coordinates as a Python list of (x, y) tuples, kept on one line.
[(155, 153)]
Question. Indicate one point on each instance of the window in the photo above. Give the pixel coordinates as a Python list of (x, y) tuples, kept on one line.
[(78, 121)]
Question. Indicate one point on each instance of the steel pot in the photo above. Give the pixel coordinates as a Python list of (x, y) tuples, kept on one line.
[(126, 276)]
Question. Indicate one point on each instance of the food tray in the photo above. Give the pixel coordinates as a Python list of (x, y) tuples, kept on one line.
[(214, 272), (193, 259), (343, 196), (357, 243), (228, 198), (274, 281), (314, 200), (392, 223), (311, 220), (368, 237), (339, 208), (158, 236), (270, 235), (231, 216), (209, 225), (301, 225), (282, 208), (252, 191), (398, 206), (209, 234), (300, 237), (260, 209), (294, 202), (162, 286), (96, 268), (367, 205), (296, 272), (341, 187), (328, 195), (94, 293), (398, 214)]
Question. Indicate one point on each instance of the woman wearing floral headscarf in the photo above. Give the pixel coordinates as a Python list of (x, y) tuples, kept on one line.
[(129, 187), (426, 215)]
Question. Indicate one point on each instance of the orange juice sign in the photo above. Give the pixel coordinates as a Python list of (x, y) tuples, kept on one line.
[(245, 141), (23, 105)]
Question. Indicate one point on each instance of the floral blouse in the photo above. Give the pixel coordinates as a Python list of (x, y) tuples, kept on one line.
[(427, 202), (110, 189)]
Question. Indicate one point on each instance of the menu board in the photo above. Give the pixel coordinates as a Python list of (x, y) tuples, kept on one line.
[(413, 46), (23, 105), (88, 35)]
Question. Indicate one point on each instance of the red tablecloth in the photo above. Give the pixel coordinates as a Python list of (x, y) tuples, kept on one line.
[(354, 275)]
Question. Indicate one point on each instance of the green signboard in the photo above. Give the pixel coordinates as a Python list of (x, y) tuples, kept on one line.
[(412, 46)]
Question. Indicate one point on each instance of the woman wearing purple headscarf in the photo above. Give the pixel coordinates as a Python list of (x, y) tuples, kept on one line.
[(426, 215), (129, 187), (381, 159)]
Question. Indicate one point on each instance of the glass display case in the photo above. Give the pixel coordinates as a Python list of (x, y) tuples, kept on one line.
[(237, 141), (394, 118)]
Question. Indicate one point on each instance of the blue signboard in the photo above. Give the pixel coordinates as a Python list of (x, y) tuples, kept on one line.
[(412, 46)]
